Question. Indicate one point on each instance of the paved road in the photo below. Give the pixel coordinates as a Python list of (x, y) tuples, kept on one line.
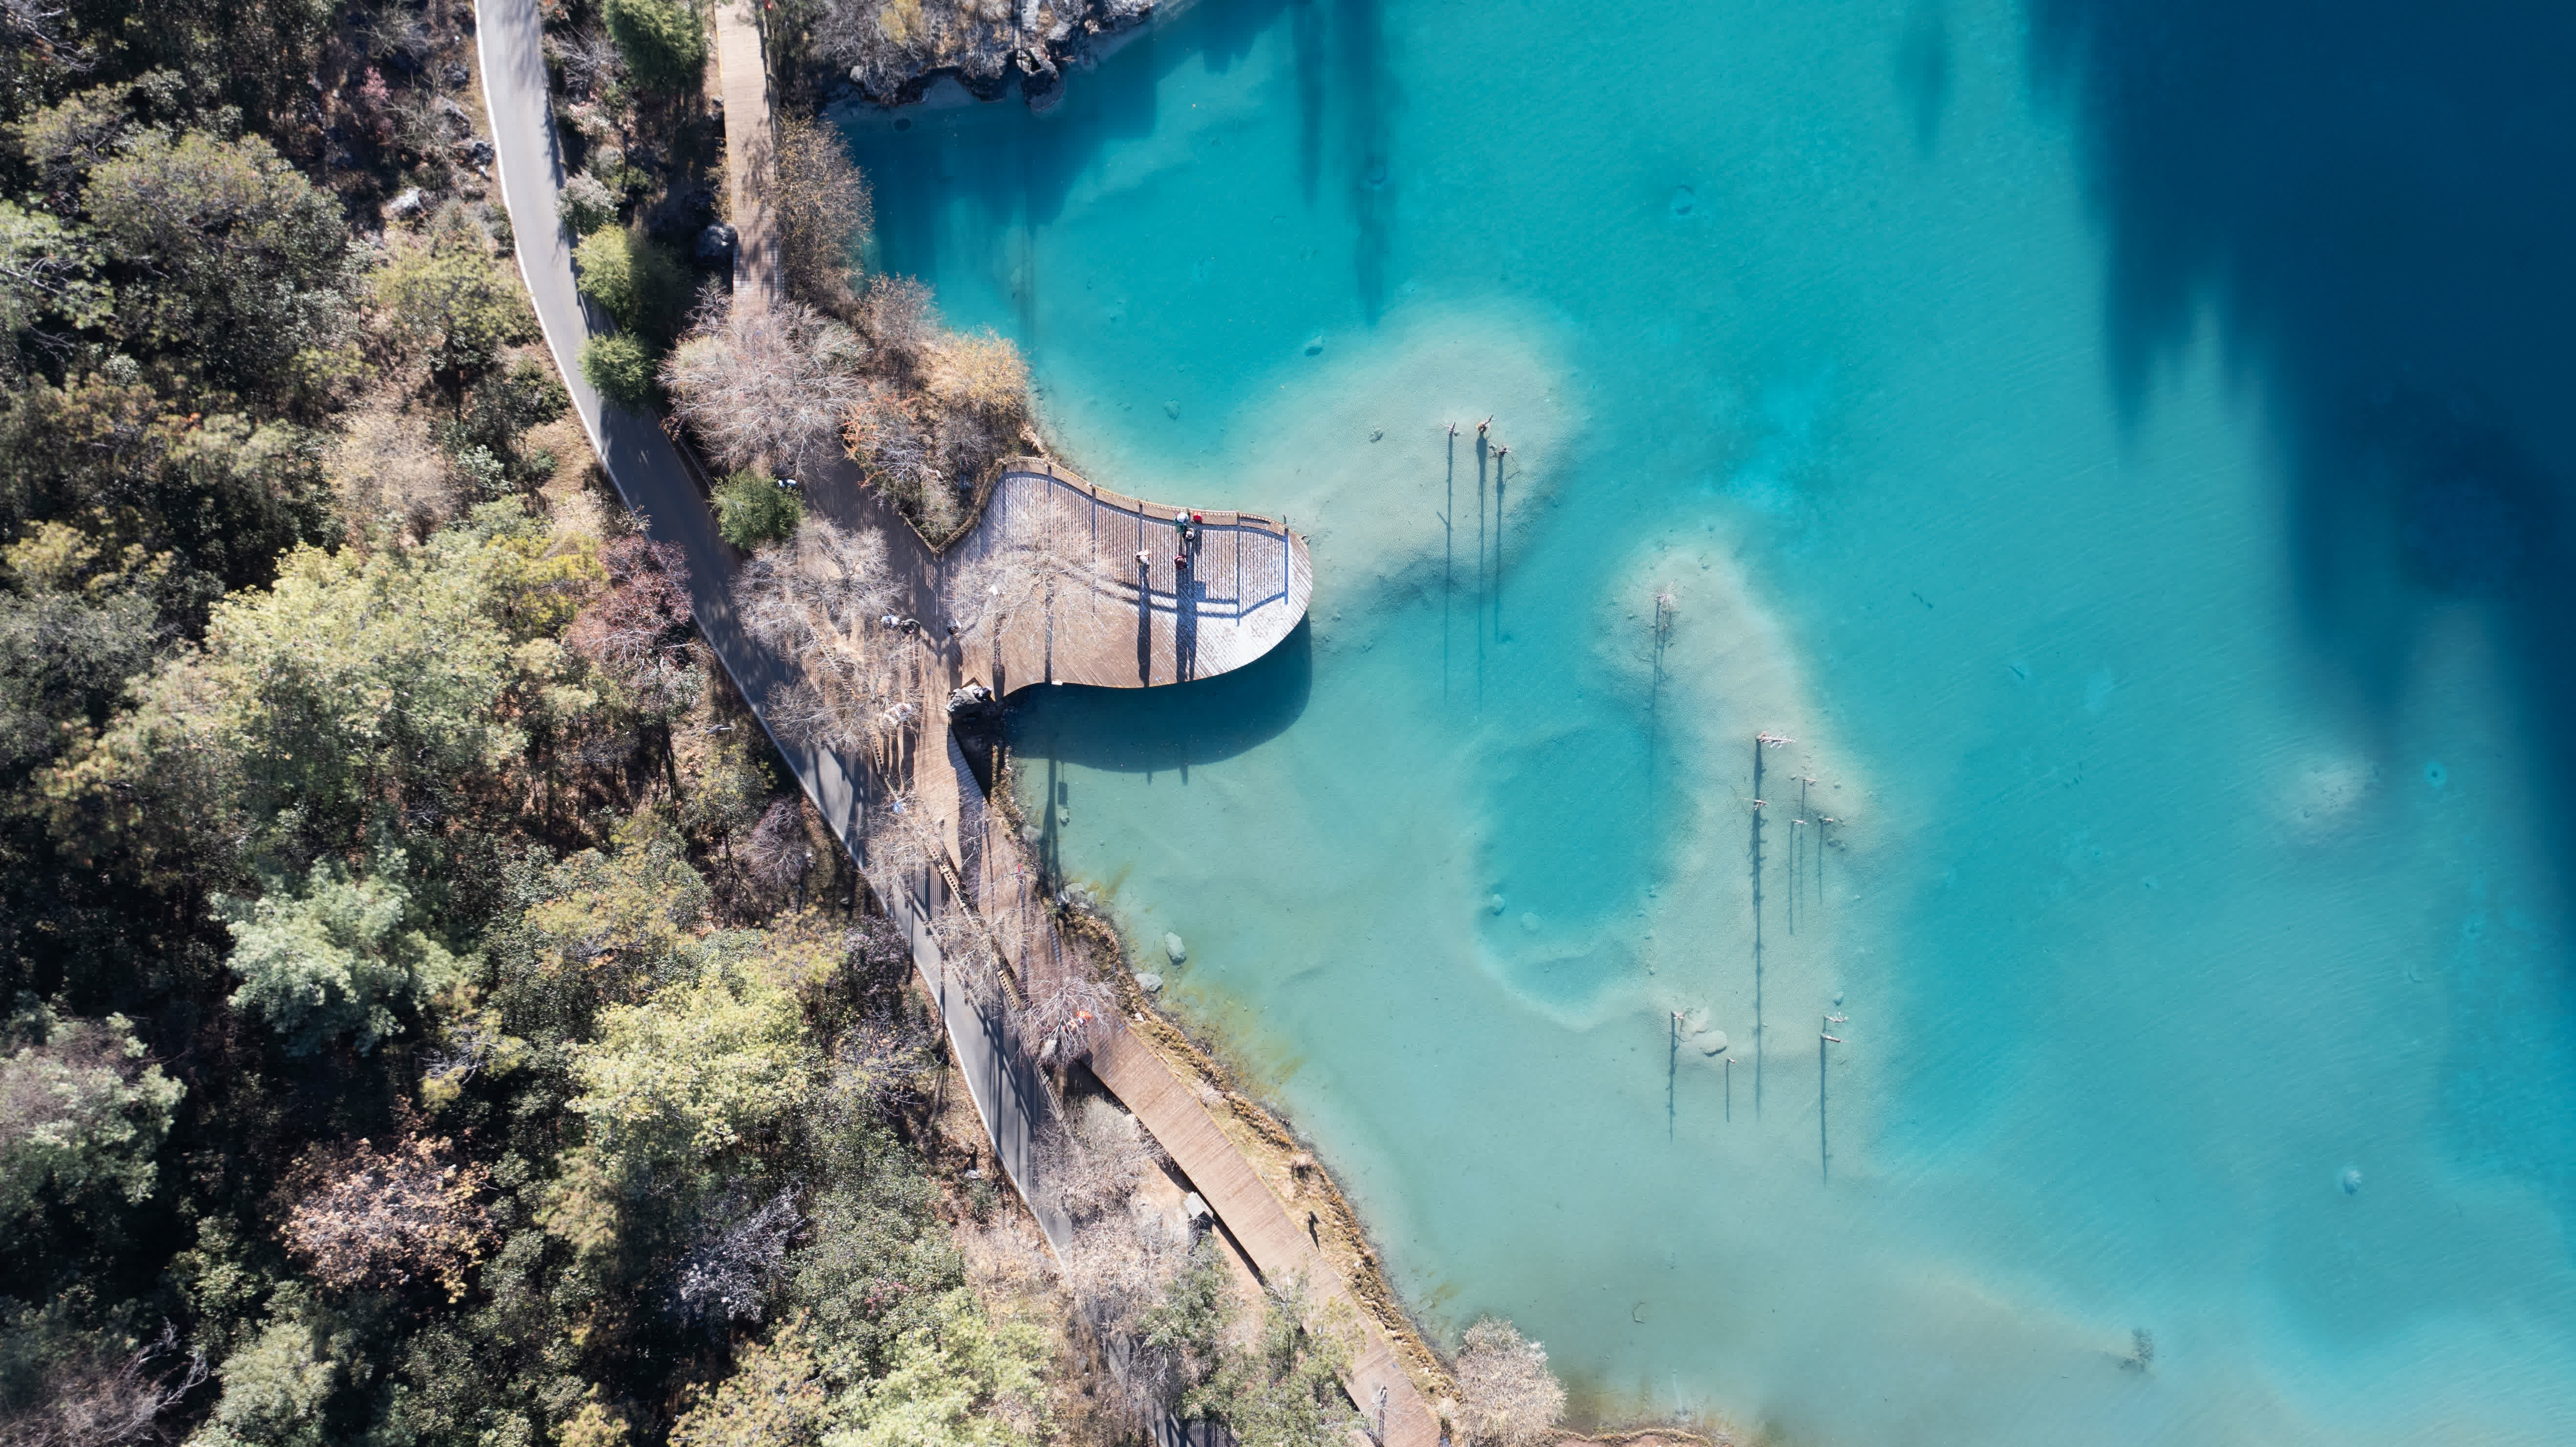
[(658, 485)]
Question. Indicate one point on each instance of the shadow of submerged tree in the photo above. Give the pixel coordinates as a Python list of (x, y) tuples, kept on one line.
[(2373, 204)]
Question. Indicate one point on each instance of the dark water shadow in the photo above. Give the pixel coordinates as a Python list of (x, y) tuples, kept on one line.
[(1366, 92), (2376, 203), (1020, 168), (1923, 72), (1149, 730)]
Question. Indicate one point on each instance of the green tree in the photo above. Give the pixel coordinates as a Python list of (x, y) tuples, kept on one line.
[(319, 708), (450, 302), (82, 1115), (1284, 1389), (664, 42), (752, 510), (225, 259), (965, 1380), (499, 411), (222, 493), (875, 1261), (621, 367), (45, 274), (638, 283), (336, 958), (773, 1398), (275, 1389), (697, 1069), (1180, 1339), (77, 620)]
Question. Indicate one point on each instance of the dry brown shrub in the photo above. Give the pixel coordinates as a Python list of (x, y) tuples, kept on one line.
[(883, 432), (823, 207), (1507, 1397), (980, 372), (100, 1398), (385, 470), (370, 1218), (636, 632)]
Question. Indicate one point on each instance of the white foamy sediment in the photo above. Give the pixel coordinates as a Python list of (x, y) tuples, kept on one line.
[(1352, 444)]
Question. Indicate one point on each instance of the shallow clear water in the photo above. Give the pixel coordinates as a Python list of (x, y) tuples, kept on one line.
[(2122, 444)]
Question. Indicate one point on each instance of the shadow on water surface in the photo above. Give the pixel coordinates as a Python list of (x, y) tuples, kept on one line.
[(1148, 730), (2377, 202), (1019, 168)]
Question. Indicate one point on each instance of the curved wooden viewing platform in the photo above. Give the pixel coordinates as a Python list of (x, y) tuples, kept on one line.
[(1104, 618)]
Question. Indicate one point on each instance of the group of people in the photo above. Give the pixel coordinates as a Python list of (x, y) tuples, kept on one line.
[(1192, 527)]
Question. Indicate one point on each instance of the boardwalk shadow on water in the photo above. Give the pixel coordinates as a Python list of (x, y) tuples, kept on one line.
[(2377, 203), (1148, 730)]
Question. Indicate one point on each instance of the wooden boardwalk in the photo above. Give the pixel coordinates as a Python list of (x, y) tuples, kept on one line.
[(742, 78), (1264, 1228), (1110, 620)]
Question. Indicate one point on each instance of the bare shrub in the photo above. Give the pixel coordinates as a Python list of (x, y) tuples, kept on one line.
[(590, 61), (1122, 1257), (817, 598), (1507, 1397), (966, 954), (901, 843), (1092, 1162), (823, 207), (882, 46), (900, 320), (766, 387), (370, 1218), (777, 854), (1066, 1014), (727, 1275), (99, 1398), (636, 632)]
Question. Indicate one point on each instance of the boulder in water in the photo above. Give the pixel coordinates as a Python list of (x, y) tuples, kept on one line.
[(1173, 947), (1148, 981)]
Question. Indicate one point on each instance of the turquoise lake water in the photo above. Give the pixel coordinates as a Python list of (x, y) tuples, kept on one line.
[(2123, 444)]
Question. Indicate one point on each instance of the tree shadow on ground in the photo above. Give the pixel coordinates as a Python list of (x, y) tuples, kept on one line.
[(2376, 203)]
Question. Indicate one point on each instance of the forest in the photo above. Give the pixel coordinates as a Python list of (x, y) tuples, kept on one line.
[(432, 1015)]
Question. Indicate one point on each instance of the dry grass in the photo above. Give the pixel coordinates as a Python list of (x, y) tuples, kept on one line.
[(385, 469)]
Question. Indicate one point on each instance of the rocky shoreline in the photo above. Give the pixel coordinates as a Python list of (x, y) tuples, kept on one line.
[(1035, 52)]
